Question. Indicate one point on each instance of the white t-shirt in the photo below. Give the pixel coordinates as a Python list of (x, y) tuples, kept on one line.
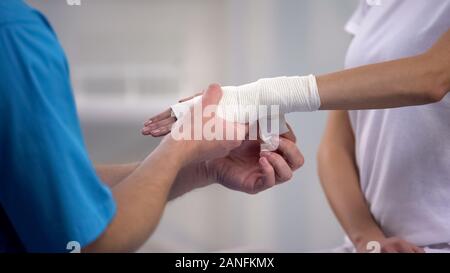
[(403, 154)]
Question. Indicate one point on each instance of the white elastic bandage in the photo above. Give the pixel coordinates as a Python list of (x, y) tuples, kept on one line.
[(290, 94)]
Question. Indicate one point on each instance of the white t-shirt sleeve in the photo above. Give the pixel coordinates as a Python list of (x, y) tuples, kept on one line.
[(358, 16)]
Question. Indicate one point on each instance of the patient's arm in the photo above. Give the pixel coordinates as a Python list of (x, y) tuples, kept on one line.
[(415, 80), (339, 177)]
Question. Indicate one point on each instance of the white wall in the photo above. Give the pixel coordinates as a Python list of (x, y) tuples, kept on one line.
[(132, 58)]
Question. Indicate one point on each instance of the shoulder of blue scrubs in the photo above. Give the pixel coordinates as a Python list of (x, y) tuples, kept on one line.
[(17, 11), (50, 194)]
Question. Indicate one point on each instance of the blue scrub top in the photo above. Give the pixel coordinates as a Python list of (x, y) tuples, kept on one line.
[(49, 192)]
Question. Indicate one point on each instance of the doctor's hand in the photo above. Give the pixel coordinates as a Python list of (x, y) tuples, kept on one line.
[(245, 168), (248, 170), (195, 135)]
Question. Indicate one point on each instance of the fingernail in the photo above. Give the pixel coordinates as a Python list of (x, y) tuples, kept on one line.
[(156, 131), (264, 153), (148, 122)]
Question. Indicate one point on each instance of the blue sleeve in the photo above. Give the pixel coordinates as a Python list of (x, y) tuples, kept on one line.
[(48, 186)]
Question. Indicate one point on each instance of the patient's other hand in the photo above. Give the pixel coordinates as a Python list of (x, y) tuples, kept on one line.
[(397, 245), (392, 245), (161, 124)]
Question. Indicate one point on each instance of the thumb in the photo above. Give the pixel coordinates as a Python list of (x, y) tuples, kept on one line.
[(212, 96)]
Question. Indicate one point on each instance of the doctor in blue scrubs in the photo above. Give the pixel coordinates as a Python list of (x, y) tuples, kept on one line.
[(51, 196)]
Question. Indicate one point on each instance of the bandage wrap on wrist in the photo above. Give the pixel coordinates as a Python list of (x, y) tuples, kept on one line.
[(290, 94)]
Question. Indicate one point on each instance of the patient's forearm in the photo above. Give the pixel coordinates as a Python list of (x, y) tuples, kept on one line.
[(405, 82), (416, 80)]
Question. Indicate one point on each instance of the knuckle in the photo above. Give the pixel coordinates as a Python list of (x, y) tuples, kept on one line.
[(298, 162), (290, 175), (286, 176), (276, 156)]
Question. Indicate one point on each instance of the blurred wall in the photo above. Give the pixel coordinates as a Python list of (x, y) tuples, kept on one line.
[(130, 59)]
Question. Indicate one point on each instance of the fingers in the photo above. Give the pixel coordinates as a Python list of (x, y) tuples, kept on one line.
[(389, 249), (417, 249), (282, 170), (155, 127), (212, 96), (289, 150), (191, 97), (404, 248), (160, 131), (267, 179), (164, 115), (291, 153), (395, 245)]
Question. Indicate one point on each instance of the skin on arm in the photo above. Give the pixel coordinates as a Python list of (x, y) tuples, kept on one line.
[(416, 80), (188, 178), (140, 199), (113, 174), (339, 178)]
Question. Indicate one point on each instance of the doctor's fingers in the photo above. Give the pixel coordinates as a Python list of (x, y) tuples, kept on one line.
[(291, 153), (267, 178), (282, 170)]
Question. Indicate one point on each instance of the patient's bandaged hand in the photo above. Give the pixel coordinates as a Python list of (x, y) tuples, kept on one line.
[(264, 103)]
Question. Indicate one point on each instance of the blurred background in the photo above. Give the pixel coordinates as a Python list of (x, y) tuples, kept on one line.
[(131, 59)]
